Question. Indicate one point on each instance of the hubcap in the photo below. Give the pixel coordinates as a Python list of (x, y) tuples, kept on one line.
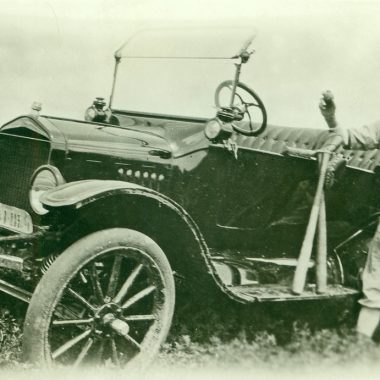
[(107, 317)]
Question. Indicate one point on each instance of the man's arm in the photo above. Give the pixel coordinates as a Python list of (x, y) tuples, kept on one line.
[(327, 107), (336, 135), (363, 138)]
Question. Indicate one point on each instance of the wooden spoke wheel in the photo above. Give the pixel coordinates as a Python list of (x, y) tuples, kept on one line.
[(107, 298)]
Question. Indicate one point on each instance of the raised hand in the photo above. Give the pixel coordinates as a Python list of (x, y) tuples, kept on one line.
[(327, 107)]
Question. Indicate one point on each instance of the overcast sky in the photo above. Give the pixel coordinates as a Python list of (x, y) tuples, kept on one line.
[(61, 53)]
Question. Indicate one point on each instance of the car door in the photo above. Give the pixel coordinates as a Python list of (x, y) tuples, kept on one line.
[(257, 187)]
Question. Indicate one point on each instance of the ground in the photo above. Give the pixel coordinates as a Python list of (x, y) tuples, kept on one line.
[(305, 348)]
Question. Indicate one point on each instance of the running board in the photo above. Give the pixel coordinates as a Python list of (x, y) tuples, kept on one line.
[(282, 261), (278, 293), (15, 291)]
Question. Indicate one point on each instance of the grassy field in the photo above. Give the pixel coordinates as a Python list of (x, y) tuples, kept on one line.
[(304, 348)]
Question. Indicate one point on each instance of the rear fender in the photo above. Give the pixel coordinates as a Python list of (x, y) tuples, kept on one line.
[(353, 251)]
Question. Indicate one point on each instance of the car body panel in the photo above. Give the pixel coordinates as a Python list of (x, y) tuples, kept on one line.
[(228, 197)]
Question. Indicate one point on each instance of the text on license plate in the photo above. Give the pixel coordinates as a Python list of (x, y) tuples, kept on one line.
[(15, 219)]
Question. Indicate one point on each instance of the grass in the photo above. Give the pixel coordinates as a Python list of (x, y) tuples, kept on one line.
[(10, 339), (304, 348)]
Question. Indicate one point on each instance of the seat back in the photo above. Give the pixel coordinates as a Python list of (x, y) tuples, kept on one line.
[(276, 139)]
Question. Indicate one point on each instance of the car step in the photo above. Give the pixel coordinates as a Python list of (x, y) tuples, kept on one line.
[(278, 293)]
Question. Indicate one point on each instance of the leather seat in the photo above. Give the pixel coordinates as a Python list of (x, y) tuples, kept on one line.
[(276, 139)]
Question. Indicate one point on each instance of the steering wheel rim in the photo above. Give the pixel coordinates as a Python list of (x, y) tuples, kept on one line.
[(259, 104)]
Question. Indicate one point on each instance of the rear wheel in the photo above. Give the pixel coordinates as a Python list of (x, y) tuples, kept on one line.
[(107, 298)]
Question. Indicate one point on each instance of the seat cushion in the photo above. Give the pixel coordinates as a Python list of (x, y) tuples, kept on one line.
[(276, 139)]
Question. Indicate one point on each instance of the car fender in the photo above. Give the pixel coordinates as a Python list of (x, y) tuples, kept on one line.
[(79, 193), (82, 193), (352, 251)]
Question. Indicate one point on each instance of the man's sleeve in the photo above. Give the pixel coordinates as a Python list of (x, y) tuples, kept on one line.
[(365, 137), (362, 138)]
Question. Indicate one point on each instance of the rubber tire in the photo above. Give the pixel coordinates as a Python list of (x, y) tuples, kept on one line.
[(48, 291)]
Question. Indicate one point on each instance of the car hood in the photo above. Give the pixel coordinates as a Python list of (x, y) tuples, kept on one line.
[(165, 137)]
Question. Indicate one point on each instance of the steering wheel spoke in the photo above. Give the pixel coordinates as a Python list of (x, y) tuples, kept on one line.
[(252, 105)]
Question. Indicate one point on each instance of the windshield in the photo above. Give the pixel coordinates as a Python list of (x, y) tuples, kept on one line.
[(183, 70), (187, 43)]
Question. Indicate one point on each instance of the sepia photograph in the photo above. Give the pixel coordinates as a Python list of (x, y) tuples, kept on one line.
[(189, 189)]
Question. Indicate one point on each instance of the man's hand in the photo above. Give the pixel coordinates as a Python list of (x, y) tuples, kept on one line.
[(335, 170), (327, 107)]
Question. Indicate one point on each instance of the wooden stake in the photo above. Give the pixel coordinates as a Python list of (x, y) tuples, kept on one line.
[(321, 265), (307, 245)]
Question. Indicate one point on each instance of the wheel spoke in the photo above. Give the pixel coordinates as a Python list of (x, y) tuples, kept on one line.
[(83, 277), (252, 104), (97, 288), (148, 317), (250, 121), (63, 311), (115, 355), (65, 322), (124, 333), (127, 284), (81, 299), (84, 352), (240, 98), (70, 343), (138, 296), (114, 277), (132, 341), (100, 350)]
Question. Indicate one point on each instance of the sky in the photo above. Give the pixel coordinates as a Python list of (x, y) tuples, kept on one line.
[(60, 52)]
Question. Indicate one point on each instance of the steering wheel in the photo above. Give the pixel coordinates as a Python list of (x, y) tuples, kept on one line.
[(247, 106)]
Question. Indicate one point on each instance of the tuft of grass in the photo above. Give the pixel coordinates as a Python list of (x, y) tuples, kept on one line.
[(10, 339), (305, 348), (281, 347)]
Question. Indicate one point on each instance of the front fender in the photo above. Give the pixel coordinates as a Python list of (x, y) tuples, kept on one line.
[(79, 194)]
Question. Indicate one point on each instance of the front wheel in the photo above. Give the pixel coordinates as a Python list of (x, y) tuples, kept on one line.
[(107, 298)]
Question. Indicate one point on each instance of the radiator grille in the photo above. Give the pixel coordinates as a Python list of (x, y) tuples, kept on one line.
[(19, 158)]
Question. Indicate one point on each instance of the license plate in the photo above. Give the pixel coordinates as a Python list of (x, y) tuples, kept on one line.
[(15, 219)]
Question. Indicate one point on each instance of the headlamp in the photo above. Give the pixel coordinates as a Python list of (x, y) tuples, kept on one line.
[(46, 177), (213, 128), (217, 130)]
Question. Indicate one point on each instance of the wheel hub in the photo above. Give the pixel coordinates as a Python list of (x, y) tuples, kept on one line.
[(108, 316), (108, 308), (117, 325)]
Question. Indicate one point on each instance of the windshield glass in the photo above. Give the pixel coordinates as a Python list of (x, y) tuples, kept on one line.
[(183, 70), (199, 43)]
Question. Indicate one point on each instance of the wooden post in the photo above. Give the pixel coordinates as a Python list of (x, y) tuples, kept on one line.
[(307, 245), (321, 262)]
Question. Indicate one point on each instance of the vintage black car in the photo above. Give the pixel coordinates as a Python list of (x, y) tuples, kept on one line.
[(111, 224)]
